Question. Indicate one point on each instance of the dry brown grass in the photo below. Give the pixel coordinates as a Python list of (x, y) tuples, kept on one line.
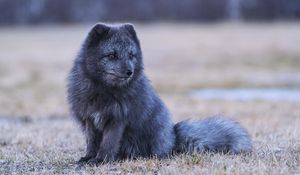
[(38, 137)]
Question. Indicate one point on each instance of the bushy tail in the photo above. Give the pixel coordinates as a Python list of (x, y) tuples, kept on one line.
[(215, 134)]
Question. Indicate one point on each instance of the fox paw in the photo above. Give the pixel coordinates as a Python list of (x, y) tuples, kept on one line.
[(84, 159), (94, 162)]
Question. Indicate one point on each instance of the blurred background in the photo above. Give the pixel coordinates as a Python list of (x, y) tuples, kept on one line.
[(78, 11), (232, 50), (238, 58)]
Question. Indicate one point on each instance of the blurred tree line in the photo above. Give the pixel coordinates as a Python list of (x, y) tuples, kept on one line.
[(74, 11)]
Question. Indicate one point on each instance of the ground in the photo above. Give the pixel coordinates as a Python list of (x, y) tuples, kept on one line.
[(38, 136)]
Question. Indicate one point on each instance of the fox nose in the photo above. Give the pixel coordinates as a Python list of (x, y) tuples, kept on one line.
[(129, 73)]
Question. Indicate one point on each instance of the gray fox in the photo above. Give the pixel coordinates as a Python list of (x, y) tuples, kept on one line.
[(120, 113)]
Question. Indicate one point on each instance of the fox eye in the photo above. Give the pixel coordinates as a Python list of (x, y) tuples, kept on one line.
[(131, 55), (112, 56)]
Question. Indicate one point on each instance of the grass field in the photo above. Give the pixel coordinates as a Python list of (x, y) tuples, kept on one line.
[(37, 135)]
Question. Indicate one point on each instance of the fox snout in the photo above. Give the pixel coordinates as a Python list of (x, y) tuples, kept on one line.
[(129, 72), (125, 74), (118, 70)]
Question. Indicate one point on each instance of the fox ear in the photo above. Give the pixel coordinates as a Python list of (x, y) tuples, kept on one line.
[(97, 32), (100, 29), (130, 28)]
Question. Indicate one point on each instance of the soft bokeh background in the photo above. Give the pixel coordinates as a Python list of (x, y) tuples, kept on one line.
[(238, 58)]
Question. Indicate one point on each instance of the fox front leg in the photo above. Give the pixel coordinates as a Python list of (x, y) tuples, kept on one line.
[(93, 139), (110, 144)]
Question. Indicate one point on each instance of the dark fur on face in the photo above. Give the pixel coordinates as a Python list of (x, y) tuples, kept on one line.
[(113, 55)]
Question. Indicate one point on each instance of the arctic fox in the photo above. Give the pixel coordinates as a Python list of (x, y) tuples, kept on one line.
[(120, 113)]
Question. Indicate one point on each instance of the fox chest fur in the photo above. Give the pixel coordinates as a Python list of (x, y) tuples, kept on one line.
[(105, 108)]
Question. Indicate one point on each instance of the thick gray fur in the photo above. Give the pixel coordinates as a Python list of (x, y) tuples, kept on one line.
[(120, 113), (215, 134)]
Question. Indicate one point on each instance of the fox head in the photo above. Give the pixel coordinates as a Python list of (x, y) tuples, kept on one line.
[(111, 54)]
